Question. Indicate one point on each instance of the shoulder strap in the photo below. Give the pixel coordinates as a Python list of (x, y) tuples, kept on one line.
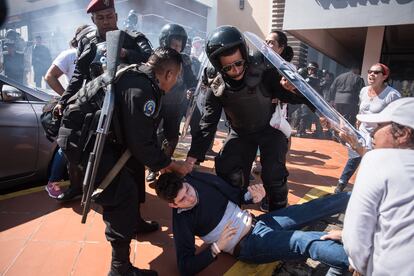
[(112, 173)]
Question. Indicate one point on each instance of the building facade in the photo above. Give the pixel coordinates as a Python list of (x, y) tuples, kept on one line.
[(364, 32)]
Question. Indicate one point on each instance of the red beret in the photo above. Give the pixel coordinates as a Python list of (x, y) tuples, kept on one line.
[(98, 5)]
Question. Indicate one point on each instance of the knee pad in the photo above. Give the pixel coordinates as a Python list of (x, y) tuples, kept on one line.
[(234, 178)]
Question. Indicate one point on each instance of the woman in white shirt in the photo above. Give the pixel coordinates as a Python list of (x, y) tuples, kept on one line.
[(373, 99), (64, 63)]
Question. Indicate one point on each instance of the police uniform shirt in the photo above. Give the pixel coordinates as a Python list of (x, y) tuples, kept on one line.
[(138, 105), (138, 50)]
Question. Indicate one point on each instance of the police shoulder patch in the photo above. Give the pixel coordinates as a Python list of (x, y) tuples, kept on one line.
[(149, 108)]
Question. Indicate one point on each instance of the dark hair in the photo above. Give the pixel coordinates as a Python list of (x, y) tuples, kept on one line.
[(287, 54), (281, 38), (396, 131), (164, 57), (74, 41), (168, 185)]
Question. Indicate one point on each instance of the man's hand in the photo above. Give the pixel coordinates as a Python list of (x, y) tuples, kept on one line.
[(190, 93), (179, 167), (190, 162), (257, 191), (287, 85), (335, 235), (226, 236), (354, 272)]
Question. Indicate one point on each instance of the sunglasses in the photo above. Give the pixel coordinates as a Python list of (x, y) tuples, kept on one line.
[(376, 72), (238, 63)]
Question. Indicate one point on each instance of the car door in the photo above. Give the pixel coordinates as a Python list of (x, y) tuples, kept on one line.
[(18, 134)]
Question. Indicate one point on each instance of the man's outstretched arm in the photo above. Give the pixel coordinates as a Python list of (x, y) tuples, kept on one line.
[(188, 262)]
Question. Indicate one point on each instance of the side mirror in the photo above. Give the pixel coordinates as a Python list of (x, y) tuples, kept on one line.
[(11, 94)]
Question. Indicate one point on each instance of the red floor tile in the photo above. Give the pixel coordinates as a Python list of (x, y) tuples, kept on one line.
[(9, 251), (39, 236), (46, 258), (18, 225), (94, 259)]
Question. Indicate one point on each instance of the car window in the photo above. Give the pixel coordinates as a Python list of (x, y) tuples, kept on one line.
[(32, 98)]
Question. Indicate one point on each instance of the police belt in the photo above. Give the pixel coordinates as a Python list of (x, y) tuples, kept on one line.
[(237, 249)]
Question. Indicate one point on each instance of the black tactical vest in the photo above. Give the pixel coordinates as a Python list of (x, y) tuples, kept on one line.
[(249, 108)]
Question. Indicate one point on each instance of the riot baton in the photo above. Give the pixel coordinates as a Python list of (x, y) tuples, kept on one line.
[(288, 71), (193, 100), (114, 41)]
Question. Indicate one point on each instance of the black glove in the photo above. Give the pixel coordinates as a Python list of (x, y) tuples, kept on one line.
[(209, 73)]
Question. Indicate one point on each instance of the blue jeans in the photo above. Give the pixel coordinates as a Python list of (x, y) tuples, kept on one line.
[(58, 169), (275, 236), (350, 168)]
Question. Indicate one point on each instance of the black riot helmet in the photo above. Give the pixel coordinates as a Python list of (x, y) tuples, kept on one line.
[(132, 17), (222, 39), (303, 72), (313, 65), (173, 31), (12, 35)]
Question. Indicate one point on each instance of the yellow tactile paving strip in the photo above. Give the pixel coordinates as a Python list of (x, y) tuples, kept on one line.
[(29, 191)]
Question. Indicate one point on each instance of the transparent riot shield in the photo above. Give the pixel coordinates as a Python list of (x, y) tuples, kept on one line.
[(193, 100), (287, 70)]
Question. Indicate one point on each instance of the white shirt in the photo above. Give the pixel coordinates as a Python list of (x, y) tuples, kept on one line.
[(375, 104), (65, 61), (378, 232)]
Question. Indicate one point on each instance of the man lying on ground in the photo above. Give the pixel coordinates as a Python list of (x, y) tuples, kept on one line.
[(205, 205)]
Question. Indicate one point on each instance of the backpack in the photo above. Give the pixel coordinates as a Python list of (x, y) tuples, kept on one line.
[(80, 118), (49, 121)]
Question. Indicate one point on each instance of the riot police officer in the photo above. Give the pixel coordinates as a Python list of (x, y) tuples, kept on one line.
[(131, 22), (307, 117), (138, 95), (175, 102), (136, 49), (244, 88)]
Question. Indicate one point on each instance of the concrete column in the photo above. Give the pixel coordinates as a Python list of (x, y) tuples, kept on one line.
[(373, 47), (212, 18), (211, 14)]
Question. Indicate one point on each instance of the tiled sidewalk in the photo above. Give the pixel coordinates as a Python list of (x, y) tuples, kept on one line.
[(39, 236)]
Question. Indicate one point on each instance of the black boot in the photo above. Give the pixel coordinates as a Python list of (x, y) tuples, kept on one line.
[(74, 191), (151, 176), (277, 195), (144, 226), (71, 193), (121, 265), (147, 226)]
